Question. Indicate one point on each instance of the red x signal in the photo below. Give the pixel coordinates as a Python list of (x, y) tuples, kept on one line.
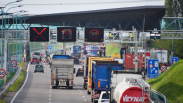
[(39, 33), (67, 33)]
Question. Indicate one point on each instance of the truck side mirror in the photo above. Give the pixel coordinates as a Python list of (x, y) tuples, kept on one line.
[(74, 70)]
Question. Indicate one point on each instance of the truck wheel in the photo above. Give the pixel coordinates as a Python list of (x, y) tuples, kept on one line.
[(70, 87), (85, 87), (53, 87), (43, 71), (88, 92)]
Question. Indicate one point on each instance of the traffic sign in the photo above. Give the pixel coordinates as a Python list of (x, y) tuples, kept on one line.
[(50, 47), (66, 34), (2, 73), (152, 68), (174, 60), (94, 34), (155, 35), (14, 63), (44, 60), (163, 68), (39, 34)]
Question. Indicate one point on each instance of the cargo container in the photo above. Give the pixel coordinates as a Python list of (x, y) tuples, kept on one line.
[(62, 73), (76, 49), (101, 76), (162, 55), (88, 68)]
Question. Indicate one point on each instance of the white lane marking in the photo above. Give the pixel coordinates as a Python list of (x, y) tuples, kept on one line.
[(22, 85), (85, 99), (50, 95), (83, 96), (49, 99)]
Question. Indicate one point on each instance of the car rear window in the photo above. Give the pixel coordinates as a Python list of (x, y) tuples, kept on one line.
[(39, 66), (36, 53), (34, 58), (105, 96)]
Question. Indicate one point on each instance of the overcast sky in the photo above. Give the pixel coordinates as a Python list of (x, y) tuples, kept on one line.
[(64, 6)]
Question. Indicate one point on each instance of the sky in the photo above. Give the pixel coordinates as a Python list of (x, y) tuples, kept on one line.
[(39, 7)]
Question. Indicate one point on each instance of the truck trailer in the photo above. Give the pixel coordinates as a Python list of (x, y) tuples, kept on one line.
[(101, 77), (62, 75)]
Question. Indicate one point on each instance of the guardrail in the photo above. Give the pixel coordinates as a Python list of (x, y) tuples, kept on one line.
[(158, 96), (4, 88)]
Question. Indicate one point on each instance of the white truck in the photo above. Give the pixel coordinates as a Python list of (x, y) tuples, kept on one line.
[(62, 73)]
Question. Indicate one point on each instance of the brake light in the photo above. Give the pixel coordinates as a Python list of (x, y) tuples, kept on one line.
[(71, 82), (72, 76)]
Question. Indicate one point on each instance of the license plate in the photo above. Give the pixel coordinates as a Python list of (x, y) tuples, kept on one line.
[(39, 70), (62, 82), (35, 60), (81, 71)]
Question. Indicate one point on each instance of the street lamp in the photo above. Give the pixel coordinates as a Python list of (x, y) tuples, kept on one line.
[(21, 11), (2, 40)]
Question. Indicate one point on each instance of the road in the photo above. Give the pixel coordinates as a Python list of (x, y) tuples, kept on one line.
[(38, 89)]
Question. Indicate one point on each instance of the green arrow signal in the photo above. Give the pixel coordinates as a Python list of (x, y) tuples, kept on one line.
[(155, 37)]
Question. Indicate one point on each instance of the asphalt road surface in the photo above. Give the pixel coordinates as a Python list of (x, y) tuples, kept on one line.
[(38, 89)]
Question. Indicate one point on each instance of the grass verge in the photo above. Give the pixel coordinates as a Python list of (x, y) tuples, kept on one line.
[(18, 83), (170, 83)]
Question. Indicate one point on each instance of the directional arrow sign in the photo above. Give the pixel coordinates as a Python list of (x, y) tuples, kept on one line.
[(152, 68)]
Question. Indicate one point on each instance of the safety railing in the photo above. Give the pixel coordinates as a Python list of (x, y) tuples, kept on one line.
[(158, 96), (4, 88)]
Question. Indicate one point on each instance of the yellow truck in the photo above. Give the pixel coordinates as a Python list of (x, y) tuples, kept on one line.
[(115, 56), (90, 59)]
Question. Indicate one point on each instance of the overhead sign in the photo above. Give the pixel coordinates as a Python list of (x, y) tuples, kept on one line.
[(14, 63), (155, 35), (94, 34), (174, 60), (66, 34), (50, 47), (2, 73), (152, 68), (39, 34)]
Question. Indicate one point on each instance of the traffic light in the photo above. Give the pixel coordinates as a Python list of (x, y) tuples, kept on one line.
[(39, 34)]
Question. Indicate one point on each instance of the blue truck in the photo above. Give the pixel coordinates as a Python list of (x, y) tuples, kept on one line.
[(59, 57), (76, 53), (76, 49), (101, 77)]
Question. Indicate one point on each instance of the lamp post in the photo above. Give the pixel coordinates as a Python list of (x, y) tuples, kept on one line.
[(2, 42)]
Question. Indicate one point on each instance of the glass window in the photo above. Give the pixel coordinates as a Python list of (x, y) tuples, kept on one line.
[(105, 96)]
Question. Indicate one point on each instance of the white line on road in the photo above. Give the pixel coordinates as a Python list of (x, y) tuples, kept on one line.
[(50, 95), (85, 99), (22, 85), (83, 96), (49, 99)]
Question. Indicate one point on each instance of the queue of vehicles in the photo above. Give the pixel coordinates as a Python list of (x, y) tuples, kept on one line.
[(104, 78)]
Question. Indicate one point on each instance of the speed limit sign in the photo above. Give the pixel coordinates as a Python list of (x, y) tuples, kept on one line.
[(2, 73), (14, 63)]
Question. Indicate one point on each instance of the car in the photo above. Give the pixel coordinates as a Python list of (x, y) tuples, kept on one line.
[(104, 97), (80, 71), (35, 60), (39, 68), (37, 55)]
